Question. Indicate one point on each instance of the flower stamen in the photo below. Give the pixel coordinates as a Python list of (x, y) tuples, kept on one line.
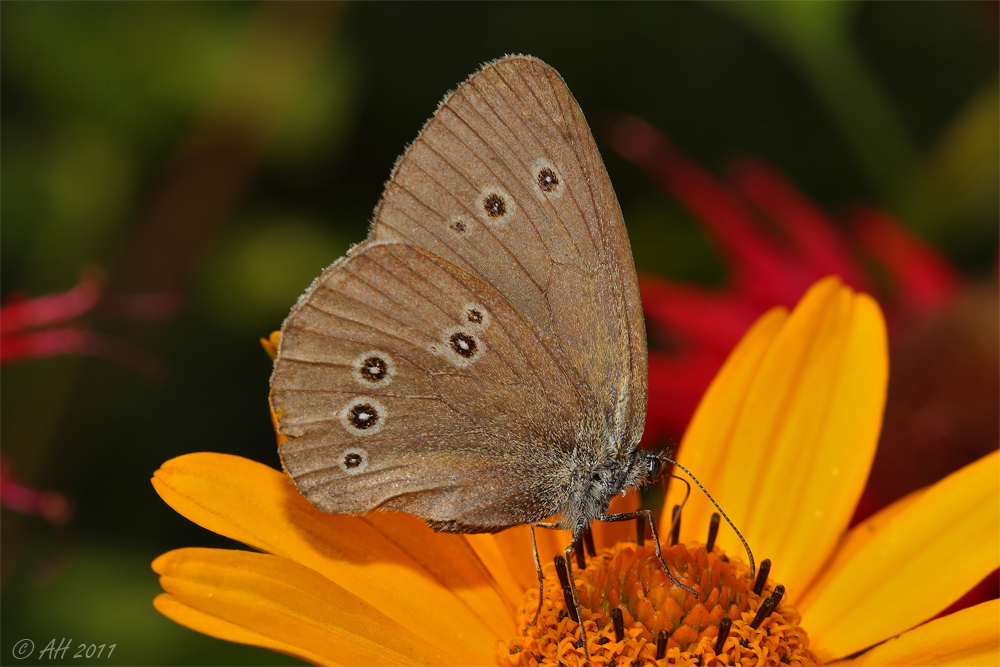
[(725, 625), (765, 609), (561, 571), (778, 593), (588, 541), (765, 570), (661, 644), (570, 607), (713, 532), (618, 621), (633, 613)]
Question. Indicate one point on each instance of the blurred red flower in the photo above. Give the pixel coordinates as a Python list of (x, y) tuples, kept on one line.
[(766, 268), (21, 339), (943, 405)]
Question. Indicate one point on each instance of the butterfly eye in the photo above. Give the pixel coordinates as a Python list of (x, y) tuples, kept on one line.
[(654, 468)]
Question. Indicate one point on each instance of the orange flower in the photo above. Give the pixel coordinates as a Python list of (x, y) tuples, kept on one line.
[(784, 439)]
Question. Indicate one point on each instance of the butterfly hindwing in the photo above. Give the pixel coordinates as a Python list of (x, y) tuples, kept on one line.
[(405, 382)]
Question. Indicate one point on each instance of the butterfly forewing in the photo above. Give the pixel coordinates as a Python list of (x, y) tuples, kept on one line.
[(491, 324), (506, 182)]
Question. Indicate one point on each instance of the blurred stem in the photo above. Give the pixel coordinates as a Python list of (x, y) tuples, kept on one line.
[(207, 176), (814, 36), (957, 180), (195, 196)]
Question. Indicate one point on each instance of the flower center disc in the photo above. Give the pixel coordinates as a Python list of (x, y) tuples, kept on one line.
[(662, 623)]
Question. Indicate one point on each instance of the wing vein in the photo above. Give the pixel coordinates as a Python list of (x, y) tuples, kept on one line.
[(595, 243), (528, 130)]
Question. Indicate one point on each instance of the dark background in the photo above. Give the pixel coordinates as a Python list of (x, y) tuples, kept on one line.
[(223, 153)]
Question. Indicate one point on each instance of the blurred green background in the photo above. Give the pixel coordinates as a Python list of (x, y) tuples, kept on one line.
[(227, 152)]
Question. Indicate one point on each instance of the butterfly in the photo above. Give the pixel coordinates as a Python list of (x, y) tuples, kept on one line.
[(480, 360)]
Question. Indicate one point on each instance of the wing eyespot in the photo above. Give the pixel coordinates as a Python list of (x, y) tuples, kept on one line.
[(476, 316), (462, 346), (495, 205), (363, 416), (547, 180), (374, 369), (353, 460)]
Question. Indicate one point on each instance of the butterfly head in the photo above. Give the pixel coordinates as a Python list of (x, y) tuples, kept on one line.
[(600, 481)]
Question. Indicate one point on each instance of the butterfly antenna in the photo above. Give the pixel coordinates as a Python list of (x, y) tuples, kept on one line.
[(753, 568), (680, 508)]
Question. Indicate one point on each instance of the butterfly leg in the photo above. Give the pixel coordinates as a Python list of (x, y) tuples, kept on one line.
[(576, 600), (538, 565), (541, 577), (628, 516)]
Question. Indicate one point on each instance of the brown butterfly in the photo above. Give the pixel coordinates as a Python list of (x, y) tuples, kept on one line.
[(480, 360)]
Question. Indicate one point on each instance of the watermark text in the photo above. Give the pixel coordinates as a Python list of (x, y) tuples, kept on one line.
[(61, 649)]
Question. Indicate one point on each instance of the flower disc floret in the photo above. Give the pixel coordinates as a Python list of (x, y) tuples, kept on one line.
[(659, 617)]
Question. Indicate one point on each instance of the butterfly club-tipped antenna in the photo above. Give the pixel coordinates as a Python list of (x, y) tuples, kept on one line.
[(665, 457)]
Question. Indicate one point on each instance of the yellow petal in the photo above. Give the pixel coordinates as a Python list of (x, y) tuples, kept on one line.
[(504, 559), (454, 563), (243, 595), (275, 418), (707, 445), (967, 637), (441, 593), (509, 557), (808, 408), (903, 566), (828, 439), (199, 621), (271, 343), (513, 548)]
